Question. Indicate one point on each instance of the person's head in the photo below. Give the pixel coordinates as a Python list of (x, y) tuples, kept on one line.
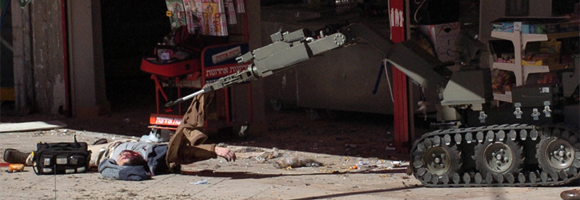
[(130, 158)]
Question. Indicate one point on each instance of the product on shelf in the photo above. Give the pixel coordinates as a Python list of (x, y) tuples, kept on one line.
[(502, 80), (176, 13), (535, 25)]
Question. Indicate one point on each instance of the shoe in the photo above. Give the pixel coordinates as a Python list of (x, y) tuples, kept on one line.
[(570, 194), (100, 141), (14, 156)]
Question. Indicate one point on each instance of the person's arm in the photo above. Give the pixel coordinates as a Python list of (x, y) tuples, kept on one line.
[(225, 153)]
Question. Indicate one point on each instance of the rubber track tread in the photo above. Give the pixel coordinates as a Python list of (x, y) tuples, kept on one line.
[(531, 178)]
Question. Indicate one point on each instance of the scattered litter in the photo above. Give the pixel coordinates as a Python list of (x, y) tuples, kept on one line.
[(15, 168), (389, 164), (397, 163), (328, 171), (294, 162), (363, 162), (202, 182), (151, 138), (269, 155), (250, 149)]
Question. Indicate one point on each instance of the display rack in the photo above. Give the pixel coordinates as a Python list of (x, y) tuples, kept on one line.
[(520, 71), (229, 108)]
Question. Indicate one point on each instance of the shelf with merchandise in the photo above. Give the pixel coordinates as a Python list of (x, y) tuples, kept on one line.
[(520, 68), (530, 37)]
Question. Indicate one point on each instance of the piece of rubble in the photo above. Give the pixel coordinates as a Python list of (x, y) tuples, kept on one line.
[(295, 162), (268, 155)]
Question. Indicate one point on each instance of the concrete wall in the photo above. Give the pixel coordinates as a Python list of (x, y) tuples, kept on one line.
[(40, 72), (87, 75), (6, 65), (21, 44), (47, 56), (254, 28)]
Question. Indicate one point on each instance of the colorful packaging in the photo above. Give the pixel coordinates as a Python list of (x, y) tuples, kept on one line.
[(240, 6), (507, 27), (176, 13), (214, 18), (189, 15), (552, 49), (231, 12), (198, 11)]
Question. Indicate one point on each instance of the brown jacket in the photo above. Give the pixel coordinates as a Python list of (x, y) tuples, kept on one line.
[(186, 145)]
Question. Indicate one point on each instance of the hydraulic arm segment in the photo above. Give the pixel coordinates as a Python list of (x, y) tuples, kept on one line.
[(286, 50), (477, 144)]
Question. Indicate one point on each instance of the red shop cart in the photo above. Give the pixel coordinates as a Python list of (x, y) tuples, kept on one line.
[(231, 108), (213, 57)]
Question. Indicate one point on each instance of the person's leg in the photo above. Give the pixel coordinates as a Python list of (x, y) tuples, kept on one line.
[(190, 154), (188, 133), (14, 156), (97, 152), (156, 160)]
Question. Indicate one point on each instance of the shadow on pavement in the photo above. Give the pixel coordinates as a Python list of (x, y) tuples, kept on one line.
[(245, 175), (360, 192)]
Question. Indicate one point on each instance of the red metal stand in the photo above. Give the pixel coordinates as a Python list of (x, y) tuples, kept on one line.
[(193, 74), (215, 61), (400, 93)]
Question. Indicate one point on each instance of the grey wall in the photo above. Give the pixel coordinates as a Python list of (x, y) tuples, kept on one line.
[(88, 97), (38, 57), (47, 47)]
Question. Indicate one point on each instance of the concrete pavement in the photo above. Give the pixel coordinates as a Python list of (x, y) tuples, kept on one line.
[(250, 177)]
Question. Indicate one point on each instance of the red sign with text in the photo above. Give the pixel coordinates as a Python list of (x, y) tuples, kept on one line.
[(221, 71)]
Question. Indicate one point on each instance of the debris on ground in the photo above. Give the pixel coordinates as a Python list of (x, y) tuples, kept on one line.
[(202, 182), (266, 156), (295, 162), (15, 168), (248, 149)]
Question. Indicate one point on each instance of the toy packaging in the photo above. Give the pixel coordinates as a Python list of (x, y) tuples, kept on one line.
[(214, 18), (176, 13), (240, 6), (231, 12), (190, 16)]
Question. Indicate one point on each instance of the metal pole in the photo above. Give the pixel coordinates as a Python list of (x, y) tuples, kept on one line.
[(397, 21)]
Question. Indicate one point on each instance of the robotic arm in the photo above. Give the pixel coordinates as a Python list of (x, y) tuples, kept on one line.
[(290, 48), (287, 49)]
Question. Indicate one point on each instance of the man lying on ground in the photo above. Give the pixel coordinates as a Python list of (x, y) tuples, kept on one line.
[(134, 160)]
